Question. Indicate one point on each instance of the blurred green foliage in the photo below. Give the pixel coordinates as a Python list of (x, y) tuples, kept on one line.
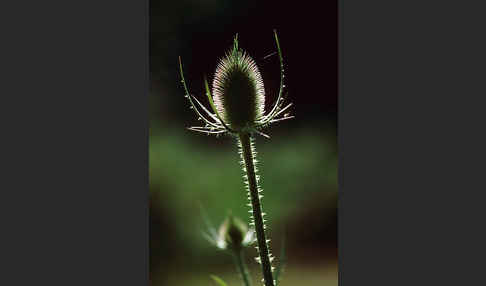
[(298, 169), (295, 275)]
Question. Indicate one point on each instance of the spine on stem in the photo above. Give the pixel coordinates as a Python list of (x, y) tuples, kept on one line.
[(248, 154)]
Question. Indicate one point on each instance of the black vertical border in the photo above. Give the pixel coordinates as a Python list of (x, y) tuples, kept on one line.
[(412, 119), (74, 202)]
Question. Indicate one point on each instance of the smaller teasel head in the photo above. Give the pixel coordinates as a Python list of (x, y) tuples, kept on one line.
[(238, 96), (238, 91), (233, 234)]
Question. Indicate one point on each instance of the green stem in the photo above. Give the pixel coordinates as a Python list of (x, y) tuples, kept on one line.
[(248, 158), (240, 264)]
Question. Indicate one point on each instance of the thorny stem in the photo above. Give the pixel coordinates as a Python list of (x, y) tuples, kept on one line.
[(238, 256), (263, 251)]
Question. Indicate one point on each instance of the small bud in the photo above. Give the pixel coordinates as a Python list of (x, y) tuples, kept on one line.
[(234, 233)]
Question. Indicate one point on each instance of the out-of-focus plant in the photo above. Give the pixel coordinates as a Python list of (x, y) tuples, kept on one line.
[(238, 102), (233, 236)]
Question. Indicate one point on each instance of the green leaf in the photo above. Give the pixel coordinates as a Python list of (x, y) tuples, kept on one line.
[(218, 280)]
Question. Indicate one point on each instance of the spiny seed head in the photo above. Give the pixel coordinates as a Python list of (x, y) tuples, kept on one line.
[(237, 99), (238, 91)]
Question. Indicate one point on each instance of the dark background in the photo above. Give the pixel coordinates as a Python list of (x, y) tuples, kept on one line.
[(299, 162), (201, 31)]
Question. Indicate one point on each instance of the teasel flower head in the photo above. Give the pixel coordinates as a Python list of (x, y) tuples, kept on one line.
[(238, 91), (238, 96)]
